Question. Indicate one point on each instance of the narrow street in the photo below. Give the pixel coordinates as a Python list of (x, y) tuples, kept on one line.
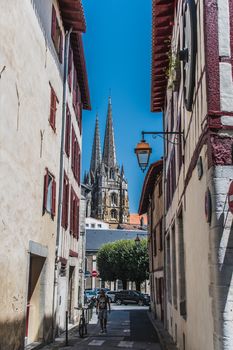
[(128, 327)]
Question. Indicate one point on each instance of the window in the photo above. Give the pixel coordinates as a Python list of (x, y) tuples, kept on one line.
[(99, 225), (75, 161), (74, 213), (49, 204), (114, 199), (67, 137), (181, 254), (168, 267), (92, 225), (77, 100), (53, 109), (155, 243), (161, 235), (113, 214), (56, 35), (65, 202), (87, 225)]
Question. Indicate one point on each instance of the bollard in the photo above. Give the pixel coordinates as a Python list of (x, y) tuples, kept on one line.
[(67, 340)]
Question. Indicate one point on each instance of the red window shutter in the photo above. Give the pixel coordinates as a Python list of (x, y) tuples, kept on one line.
[(53, 198), (71, 210), (54, 22), (46, 181), (70, 68), (64, 199), (80, 117), (72, 150), (77, 234), (67, 138), (76, 159), (61, 47), (53, 108), (67, 204)]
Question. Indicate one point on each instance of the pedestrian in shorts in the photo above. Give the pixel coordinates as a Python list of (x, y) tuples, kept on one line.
[(101, 310)]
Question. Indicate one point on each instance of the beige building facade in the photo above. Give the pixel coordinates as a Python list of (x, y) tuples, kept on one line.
[(35, 224), (193, 87), (151, 202)]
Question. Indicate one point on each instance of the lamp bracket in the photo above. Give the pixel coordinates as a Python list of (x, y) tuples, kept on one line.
[(160, 133)]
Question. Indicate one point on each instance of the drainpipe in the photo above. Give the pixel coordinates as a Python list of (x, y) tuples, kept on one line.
[(60, 190), (164, 229)]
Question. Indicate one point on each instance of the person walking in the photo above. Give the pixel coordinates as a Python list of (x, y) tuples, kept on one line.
[(101, 309)]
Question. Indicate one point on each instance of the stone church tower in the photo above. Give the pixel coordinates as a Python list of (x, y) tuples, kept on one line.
[(109, 186)]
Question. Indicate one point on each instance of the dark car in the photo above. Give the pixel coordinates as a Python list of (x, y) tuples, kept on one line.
[(130, 297)]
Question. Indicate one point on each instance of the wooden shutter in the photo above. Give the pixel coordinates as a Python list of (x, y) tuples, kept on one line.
[(46, 181), (72, 150), (53, 108), (67, 139), (78, 206), (75, 218), (70, 68), (67, 204), (71, 210), (60, 46), (54, 23), (53, 197), (64, 199)]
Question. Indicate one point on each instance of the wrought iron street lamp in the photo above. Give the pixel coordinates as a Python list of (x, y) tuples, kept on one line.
[(143, 149)]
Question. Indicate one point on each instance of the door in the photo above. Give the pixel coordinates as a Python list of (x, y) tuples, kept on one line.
[(35, 299)]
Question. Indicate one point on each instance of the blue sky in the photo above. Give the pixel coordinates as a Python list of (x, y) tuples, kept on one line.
[(118, 56)]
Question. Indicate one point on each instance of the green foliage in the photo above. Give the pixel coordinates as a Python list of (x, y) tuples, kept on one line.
[(124, 260)]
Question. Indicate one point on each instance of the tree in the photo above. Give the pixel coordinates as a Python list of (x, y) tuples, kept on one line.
[(124, 260)]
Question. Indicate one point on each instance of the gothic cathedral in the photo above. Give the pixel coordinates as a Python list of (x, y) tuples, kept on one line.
[(109, 187)]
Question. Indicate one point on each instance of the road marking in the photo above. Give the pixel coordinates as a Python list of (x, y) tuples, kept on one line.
[(126, 330), (96, 342), (125, 344)]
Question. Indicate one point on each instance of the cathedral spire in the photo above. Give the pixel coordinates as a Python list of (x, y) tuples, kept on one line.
[(109, 152), (96, 148)]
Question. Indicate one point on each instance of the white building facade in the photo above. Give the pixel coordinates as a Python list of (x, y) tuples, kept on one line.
[(40, 122)]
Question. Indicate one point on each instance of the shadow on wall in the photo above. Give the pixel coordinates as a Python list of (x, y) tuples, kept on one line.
[(224, 255), (12, 333)]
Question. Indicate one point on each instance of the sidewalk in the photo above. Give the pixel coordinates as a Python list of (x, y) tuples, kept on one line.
[(165, 339), (73, 337)]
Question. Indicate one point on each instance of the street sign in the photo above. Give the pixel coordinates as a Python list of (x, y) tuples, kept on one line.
[(230, 197), (94, 273)]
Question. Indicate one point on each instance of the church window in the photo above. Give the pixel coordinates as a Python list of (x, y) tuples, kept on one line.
[(113, 214), (114, 198), (111, 174)]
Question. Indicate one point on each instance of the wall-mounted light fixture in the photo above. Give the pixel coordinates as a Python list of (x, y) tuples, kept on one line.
[(143, 149)]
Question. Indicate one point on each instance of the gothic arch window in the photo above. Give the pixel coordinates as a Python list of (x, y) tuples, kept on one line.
[(114, 198), (111, 174), (113, 214)]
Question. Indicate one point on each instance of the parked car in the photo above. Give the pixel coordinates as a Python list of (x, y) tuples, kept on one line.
[(130, 297), (145, 295), (111, 294), (89, 295)]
